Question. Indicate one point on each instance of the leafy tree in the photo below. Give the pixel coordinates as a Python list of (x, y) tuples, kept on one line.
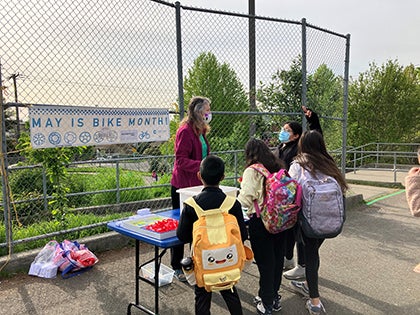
[(284, 94), (325, 92), (325, 96), (217, 81), (55, 161), (384, 105)]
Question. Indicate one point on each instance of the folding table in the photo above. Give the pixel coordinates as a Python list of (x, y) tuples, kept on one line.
[(163, 244)]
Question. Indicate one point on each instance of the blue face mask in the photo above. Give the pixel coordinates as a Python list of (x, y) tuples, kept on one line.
[(284, 136)]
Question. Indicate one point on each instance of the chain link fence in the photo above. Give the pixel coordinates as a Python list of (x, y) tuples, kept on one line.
[(257, 71)]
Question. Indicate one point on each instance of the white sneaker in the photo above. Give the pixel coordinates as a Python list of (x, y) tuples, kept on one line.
[(300, 287), (296, 273), (315, 309), (288, 264)]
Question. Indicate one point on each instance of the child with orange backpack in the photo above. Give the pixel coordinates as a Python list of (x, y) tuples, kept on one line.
[(210, 200)]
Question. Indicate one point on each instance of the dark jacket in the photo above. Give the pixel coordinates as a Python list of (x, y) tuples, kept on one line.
[(288, 151), (313, 122), (209, 198)]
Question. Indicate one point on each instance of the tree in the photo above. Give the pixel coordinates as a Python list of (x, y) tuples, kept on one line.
[(384, 105), (55, 161), (284, 92), (221, 85), (325, 92), (324, 95)]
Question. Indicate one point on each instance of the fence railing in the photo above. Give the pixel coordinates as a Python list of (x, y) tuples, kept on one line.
[(398, 158), (393, 157)]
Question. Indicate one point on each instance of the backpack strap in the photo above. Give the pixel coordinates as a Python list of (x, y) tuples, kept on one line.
[(226, 205), (264, 172), (260, 169), (215, 216)]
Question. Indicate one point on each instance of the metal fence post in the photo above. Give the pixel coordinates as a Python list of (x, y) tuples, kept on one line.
[(395, 167), (44, 188), (4, 173), (235, 158), (117, 181), (304, 71), (179, 59), (252, 69), (345, 104)]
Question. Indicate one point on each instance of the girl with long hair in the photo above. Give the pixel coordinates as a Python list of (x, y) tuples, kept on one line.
[(313, 158), (268, 248)]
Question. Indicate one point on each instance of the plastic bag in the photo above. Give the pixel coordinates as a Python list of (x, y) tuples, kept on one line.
[(77, 259), (68, 257), (47, 261)]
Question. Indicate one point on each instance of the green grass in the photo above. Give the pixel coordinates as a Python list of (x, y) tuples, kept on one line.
[(72, 221), (82, 180)]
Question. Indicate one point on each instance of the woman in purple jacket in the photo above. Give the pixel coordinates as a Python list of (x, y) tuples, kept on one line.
[(191, 146)]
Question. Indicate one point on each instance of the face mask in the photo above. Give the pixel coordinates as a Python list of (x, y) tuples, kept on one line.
[(207, 118), (284, 136)]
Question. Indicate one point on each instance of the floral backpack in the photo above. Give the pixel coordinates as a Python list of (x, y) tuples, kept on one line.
[(282, 201)]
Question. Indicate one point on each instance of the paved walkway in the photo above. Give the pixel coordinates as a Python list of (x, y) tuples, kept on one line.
[(370, 192), (368, 269)]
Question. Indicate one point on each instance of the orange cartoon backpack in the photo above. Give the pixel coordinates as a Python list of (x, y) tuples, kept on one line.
[(217, 249)]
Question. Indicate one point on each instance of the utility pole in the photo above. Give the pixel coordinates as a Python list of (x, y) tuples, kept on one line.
[(252, 67), (14, 77)]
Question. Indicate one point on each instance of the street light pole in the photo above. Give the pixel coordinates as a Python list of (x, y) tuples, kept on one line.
[(14, 77)]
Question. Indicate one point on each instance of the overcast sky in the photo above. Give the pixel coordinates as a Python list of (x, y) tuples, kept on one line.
[(380, 30)]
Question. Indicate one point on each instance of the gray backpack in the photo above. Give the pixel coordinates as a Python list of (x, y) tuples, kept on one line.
[(323, 212)]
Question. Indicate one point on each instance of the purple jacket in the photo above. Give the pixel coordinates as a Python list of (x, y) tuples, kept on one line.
[(188, 156)]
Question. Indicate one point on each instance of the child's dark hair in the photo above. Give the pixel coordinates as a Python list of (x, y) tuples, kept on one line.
[(295, 126), (313, 156), (256, 151), (212, 170)]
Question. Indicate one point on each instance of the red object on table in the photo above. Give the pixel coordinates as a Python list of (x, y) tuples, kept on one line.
[(163, 226)]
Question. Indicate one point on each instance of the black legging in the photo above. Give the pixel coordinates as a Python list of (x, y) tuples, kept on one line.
[(269, 255), (311, 250), (290, 246), (203, 301)]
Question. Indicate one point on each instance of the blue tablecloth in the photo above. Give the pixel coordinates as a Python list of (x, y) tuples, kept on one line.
[(166, 243)]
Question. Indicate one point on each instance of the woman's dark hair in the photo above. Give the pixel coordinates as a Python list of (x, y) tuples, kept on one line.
[(195, 115), (296, 127), (313, 156), (256, 151)]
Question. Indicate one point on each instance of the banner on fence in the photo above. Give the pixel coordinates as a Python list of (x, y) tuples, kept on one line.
[(58, 126)]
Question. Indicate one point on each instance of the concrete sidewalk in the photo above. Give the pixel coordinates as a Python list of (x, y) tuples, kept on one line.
[(365, 270), (384, 180)]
